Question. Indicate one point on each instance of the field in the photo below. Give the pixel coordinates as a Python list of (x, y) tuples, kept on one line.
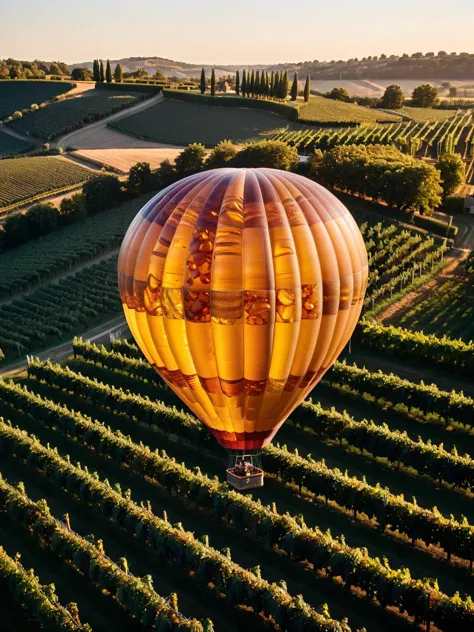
[(28, 179), (367, 484), (433, 137), (65, 116), (327, 111), (425, 114), (180, 123), (10, 145), (37, 261), (18, 95), (447, 307), (123, 159), (72, 304)]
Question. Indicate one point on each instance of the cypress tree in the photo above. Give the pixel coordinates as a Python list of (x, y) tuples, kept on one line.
[(108, 72), (307, 89), (118, 73), (95, 71), (267, 84), (271, 86), (284, 86), (256, 85), (237, 83), (276, 85), (244, 83), (252, 84), (249, 83), (202, 83), (213, 82), (262, 84), (294, 87), (101, 71)]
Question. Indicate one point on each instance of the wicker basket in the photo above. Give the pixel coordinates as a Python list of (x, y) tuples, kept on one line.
[(250, 481)]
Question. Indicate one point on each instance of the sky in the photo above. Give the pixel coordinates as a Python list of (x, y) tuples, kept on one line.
[(224, 32)]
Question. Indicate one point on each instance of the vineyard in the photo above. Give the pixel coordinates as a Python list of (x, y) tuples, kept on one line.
[(449, 310), (66, 116), (29, 179), (106, 411), (72, 304), (26, 266), (329, 111), (10, 145), (429, 138), (18, 95), (396, 258)]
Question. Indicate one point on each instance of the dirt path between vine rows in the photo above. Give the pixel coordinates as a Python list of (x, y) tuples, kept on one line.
[(453, 268)]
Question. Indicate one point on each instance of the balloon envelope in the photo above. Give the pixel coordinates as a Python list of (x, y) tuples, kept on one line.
[(241, 287)]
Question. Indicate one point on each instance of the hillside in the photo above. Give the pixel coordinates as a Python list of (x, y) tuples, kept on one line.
[(429, 66)]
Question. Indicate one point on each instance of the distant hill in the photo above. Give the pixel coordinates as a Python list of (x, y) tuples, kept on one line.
[(416, 66)]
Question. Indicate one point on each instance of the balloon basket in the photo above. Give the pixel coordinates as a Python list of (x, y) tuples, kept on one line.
[(244, 472)]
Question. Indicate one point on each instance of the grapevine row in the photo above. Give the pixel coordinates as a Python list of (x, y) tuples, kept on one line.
[(389, 510), (135, 595)]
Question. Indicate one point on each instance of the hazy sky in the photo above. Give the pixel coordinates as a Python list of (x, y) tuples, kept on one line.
[(220, 31)]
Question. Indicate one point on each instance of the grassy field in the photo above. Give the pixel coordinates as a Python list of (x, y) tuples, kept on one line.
[(17, 95), (425, 114), (27, 179), (10, 145), (327, 111), (182, 123), (65, 116)]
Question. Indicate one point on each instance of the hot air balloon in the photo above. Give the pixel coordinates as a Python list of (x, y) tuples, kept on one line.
[(241, 287)]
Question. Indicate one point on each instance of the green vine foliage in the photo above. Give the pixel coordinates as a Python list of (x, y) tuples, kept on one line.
[(299, 542), (39, 602), (171, 543)]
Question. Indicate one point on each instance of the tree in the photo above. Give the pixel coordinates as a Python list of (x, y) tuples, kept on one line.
[(101, 193), (190, 160), (284, 85), (451, 167), (54, 69), (96, 71), (202, 82), (118, 73), (425, 96), (256, 83), (16, 230), (294, 87), (64, 68), (43, 218), (81, 74), (393, 98), (159, 76), (453, 91), (213, 82), (339, 94), (252, 84), (307, 89), (108, 72), (274, 154), (244, 83), (72, 209), (400, 180), (237, 83), (165, 173), (222, 155), (140, 179), (101, 71)]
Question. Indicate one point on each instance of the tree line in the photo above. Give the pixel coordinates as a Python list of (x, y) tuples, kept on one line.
[(259, 84)]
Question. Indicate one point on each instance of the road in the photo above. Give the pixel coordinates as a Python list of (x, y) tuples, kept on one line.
[(69, 140), (99, 335)]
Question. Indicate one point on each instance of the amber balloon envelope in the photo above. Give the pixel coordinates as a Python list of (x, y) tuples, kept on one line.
[(242, 287)]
